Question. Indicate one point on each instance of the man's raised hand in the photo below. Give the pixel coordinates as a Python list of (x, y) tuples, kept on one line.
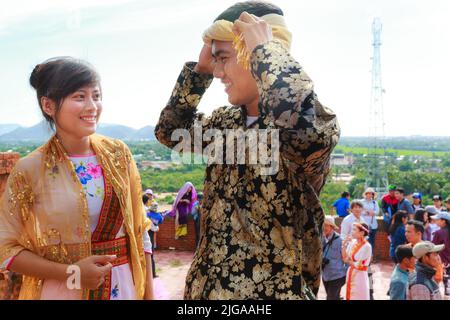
[(205, 61), (254, 30)]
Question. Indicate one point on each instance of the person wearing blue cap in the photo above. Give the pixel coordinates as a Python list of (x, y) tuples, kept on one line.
[(417, 201)]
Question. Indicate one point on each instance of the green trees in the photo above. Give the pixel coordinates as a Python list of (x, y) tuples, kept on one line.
[(172, 179)]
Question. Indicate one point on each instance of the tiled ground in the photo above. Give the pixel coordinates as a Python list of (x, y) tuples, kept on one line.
[(172, 267)]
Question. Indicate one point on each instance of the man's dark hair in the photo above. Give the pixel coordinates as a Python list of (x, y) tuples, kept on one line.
[(418, 226), (400, 190), (345, 194), (356, 203), (257, 8), (403, 251)]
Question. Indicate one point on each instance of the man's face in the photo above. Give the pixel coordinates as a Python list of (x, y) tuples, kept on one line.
[(392, 193), (448, 206), (327, 229), (398, 195), (356, 210), (240, 86), (412, 236), (410, 262), (432, 259), (437, 203)]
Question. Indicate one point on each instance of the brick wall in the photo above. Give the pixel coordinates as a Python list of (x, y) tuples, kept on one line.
[(9, 283), (165, 237)]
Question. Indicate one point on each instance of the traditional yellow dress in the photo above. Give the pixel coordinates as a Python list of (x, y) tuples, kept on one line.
[(44, 210)]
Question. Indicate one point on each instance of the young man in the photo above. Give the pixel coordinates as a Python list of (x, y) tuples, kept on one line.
[(342, 205), (414, 231), (437, 202), (389, 204), (422, 285), (333, 268), (356, 208), (403, 203), (260, 231), (398, 288), (447, 205)]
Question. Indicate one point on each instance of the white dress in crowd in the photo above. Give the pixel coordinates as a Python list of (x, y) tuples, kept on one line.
[(357, 287), (122, 287)]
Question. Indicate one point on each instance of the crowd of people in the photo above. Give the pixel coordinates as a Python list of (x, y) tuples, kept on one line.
[(187, 202), (419, 246)]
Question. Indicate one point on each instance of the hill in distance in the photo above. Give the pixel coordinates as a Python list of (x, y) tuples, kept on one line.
[(42, 132)]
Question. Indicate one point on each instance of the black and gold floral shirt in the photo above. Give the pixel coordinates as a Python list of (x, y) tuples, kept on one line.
[(260, 233)]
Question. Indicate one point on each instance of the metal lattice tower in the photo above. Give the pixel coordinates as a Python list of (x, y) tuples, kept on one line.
[(376, 155)]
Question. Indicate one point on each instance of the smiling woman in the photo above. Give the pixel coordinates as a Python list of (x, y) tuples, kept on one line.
[(74, 204)]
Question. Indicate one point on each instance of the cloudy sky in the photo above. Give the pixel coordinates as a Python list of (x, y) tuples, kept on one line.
[(139, 47)]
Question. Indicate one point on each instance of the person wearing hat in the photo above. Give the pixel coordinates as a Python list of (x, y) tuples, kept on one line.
[(333, 268), (417, 201), (422, 285), (370, 213), (150, 195), (247, 207), (156, 219), (437, 202), (442, 236), (433, 227), (389, 204)]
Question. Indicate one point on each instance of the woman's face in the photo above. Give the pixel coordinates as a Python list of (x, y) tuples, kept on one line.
[(356, 233), (80, 112), (369, 196), (441, 223)]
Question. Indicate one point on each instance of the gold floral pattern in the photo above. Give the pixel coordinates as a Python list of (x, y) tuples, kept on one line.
[(260, 235)]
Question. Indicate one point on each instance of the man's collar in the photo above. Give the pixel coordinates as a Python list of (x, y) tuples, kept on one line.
[(400, 269)]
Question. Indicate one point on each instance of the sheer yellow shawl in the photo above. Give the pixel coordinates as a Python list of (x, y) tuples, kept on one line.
[(44, 209)]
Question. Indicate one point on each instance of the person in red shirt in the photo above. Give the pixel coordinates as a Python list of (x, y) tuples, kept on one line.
[(389, 204)]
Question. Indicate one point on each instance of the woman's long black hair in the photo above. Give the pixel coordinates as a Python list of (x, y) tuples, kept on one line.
[(397, 221)]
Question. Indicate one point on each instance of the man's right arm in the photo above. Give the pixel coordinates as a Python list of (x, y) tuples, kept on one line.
[(181, 110)]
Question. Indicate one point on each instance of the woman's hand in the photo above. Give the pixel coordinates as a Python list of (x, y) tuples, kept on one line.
[(93, 270), (254, 30)]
